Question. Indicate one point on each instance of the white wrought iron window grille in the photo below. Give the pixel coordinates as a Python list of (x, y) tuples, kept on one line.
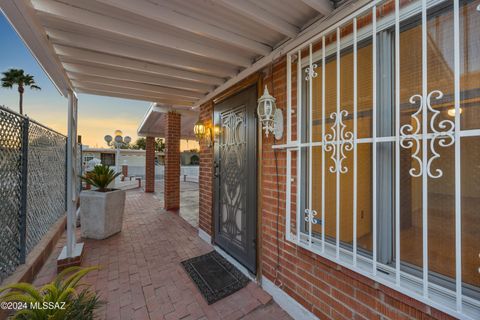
[(379, 179)]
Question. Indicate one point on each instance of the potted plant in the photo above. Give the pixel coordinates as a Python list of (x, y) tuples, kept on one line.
[(87, 185), (101, 209), (62, 299)]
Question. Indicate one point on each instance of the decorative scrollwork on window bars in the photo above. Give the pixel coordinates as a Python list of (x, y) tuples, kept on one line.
[(442, 132), (310, 216), (311, 73), (338, 145)]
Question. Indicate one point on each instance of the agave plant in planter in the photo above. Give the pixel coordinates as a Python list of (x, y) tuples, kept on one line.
[(65, 298), (101, 209)]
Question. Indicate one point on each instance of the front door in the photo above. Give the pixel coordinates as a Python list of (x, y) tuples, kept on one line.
[(236, 176)]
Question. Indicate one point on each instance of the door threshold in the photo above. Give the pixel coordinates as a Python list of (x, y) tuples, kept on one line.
[(237, 264)]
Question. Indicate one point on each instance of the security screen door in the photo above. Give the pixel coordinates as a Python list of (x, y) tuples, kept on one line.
[(236, 176)]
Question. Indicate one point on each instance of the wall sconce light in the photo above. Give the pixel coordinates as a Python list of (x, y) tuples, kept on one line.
[(203, 133), (270, 117)]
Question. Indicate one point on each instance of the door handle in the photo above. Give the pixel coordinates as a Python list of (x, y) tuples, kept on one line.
[(216, 168)]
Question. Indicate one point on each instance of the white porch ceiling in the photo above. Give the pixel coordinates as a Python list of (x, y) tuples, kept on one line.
[(173, 52), (153, 123)]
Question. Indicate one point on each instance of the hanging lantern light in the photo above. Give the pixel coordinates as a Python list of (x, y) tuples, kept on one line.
[(270, 117), (199, 130), (203, 133), (266, 111)]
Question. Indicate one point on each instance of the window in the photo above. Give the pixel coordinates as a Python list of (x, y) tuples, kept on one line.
[(86, 159), (108, 159), (385, 144)]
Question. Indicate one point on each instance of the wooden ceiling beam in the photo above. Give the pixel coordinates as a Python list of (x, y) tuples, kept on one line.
[(135, 32), (75, 77), (160, 13), (136, 77), (81, 55), (191, 63), (322, 6), (133, 97), (261, 16)]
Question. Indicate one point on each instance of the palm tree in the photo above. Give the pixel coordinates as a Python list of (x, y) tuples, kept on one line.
[(18, 77)]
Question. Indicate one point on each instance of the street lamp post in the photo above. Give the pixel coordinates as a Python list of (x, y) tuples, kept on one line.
[(117, 142)]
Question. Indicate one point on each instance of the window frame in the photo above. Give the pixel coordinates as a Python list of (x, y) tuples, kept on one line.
[(453, 302)]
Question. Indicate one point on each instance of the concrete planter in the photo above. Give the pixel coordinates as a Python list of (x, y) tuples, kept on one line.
[(101, 213)]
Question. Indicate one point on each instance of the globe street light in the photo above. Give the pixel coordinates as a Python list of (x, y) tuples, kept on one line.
[(117, 142)]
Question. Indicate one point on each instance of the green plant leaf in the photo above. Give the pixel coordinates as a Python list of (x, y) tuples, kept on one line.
[(72, 281), (100, 177), (63, 288), (26, 288), (16, 296)]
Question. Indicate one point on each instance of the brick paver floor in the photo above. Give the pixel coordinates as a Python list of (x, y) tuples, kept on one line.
[(188, 199), (141, 276)]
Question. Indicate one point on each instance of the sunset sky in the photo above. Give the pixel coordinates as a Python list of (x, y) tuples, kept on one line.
[(98, 115)]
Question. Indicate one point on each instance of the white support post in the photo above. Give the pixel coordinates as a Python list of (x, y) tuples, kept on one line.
[(117, 157), (71, 254), (71, 174)]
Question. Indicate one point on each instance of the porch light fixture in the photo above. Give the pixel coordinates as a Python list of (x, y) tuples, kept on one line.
[(268, 114), (203, 133)]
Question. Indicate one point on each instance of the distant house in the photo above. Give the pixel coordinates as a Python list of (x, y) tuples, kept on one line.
[(190, 158), (132, 158)]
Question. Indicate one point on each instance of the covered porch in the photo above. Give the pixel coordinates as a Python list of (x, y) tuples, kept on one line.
[(141, 276), (325, 239), (177, 56)]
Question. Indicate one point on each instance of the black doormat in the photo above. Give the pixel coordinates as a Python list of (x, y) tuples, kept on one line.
[(214, 276)]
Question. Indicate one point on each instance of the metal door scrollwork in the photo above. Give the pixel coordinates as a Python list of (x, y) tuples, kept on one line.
[(233, 157)]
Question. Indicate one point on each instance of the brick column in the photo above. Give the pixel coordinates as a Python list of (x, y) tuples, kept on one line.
[(172, 162), (205, 181), (150, 165)]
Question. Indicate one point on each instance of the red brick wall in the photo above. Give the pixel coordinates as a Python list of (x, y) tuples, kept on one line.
[(325, 288), (172, 162), (150, 164), (206, 174)]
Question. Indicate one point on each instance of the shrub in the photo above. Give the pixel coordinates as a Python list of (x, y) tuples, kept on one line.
[(100, 177), (62, 299)]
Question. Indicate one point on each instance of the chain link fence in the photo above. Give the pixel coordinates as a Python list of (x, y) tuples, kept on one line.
[(32, 185)]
